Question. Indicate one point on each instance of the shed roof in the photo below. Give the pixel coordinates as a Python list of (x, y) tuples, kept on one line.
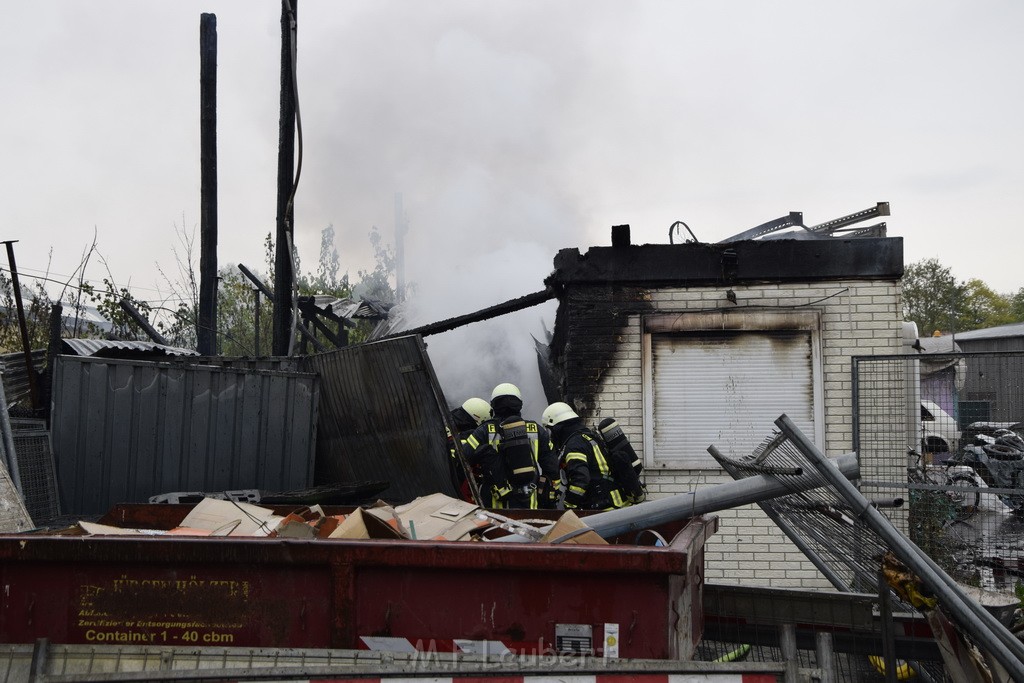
[(109, 348), (1000, 332)]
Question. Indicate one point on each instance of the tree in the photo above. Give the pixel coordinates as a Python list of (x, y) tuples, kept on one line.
[(376, 284), (930, 295), (981, 307), (935, 300), (108, 302), (1017, 305)]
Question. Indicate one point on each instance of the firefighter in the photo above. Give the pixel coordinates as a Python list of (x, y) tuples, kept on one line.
[(589, 481), (465, 419), (514, 454)]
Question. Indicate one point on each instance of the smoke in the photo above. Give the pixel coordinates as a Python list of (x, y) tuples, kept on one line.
[(464, 123), (472, 360)]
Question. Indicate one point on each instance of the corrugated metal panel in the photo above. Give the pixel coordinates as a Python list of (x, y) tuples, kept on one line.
[(15, 375), (277, 363), (727, 389), (123, 431), (108, 347), (382, 417)]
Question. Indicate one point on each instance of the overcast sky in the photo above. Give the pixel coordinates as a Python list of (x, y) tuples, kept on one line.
[(513, 129)]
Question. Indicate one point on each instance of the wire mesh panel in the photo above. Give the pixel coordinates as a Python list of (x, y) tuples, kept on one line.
[(956, 420), (821, 522), (36, 470), (856, 547)]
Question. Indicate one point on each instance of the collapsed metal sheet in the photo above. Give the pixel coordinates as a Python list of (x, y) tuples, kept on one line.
[(382, 417), (123, 431)]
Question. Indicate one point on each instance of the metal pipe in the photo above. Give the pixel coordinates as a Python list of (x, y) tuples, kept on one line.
[(8, 438), (983, 627), (708, 499), (888, 628), (141, 321), (33, 390)]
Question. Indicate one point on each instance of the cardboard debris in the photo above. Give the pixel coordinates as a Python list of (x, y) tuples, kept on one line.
[(435, 517), (361, 524), (94, 529), (569, 523), (439, 517), (228, 518), (294, 526)]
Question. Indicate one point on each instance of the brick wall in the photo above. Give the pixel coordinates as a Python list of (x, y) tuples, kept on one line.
[(603, 367)]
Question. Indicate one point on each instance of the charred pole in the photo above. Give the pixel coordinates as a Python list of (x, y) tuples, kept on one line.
[(206, 335), (26, 347), (509, 306), (283, 276), (261, 286), (401, 227)]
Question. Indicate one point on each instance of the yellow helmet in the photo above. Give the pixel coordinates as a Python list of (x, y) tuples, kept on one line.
[(556, 413), (506, 389), (478, 409)]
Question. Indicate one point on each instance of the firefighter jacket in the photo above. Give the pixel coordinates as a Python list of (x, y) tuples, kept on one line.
[(485, 449), (482, 453), (589, 482), (458, 474)]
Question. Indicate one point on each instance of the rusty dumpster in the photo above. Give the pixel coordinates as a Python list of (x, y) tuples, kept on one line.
[(623, 600)]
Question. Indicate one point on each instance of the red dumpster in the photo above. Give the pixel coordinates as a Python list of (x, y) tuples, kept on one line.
[(401, 594)]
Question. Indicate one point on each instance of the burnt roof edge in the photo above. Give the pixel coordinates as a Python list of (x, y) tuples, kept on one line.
[(869, 258)]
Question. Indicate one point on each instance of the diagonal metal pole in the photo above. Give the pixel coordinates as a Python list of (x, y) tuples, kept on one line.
[(33, 390), (707, 499), (972, 617)]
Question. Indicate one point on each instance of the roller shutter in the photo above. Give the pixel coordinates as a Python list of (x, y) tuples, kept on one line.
[(727, 389)]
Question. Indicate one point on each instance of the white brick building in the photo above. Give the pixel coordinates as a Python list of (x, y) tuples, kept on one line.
[(692, 345)]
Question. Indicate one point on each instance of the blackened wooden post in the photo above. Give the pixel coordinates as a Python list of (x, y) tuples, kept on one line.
[(33, 390), (401, 227), (256, 315), (285, 179), (52, 351), (206, 335)]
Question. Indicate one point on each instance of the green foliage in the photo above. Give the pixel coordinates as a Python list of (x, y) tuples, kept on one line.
[(376, 284), (176, 318), (107, 300), (982, 307), (1017, 305), (36, 304), (935, 300), (930, 295)]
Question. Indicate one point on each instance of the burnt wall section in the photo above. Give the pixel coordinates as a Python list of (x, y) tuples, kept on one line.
[(613, 299), (704, 264), (593, 327)]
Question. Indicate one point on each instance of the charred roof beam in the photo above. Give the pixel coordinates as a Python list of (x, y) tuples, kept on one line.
[(510, 306)]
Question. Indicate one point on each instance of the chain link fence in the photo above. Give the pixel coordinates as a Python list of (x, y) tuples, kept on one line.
[(957, 423)]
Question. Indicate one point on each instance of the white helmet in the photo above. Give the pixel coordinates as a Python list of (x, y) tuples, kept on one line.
[(478, 409), (556, 413), (506, 389)]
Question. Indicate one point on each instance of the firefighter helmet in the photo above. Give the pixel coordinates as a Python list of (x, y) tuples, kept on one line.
[(478, 409), (506, 389), (556, 413)]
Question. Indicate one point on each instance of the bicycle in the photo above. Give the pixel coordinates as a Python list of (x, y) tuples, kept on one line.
[(959, 488)]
